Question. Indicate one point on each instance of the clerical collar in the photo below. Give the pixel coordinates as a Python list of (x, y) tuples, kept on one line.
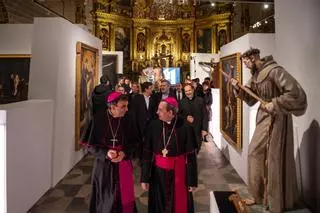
[(168, 122)]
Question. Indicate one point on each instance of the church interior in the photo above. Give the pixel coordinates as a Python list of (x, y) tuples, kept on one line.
[(53, 53)]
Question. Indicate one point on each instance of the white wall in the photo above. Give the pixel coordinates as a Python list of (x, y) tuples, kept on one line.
[(3, 161), (28, 153), (53, 76), (15, 38), (214, 124), (201, 72), (266, 44), (297, 47)]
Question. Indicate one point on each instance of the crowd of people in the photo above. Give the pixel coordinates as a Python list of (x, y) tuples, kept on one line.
[(163, 129)]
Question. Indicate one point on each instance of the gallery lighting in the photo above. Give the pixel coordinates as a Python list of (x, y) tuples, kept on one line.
[(266, 6), (213, 4), (261, 22)]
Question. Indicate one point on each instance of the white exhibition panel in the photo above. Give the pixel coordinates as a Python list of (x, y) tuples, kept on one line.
[(3, 161), (198, 71), (28, 155), (297, 50), (16, 38), (214, 124), (53, 76), (266, 44)]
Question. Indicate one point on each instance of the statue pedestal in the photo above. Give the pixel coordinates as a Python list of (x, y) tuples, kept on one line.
[(227, 201)]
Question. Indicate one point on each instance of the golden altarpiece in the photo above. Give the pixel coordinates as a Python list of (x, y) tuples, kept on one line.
[(161, 33)]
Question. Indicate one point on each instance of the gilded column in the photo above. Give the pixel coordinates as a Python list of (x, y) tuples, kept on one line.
[(112, 38), (214, 38)]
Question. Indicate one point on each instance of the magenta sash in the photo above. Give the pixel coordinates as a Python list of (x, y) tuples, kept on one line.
[(178, 164), (126, 186), (126, 183)]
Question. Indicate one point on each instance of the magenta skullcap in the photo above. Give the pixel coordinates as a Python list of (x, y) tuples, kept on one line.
[(113, 97), (171, 101)]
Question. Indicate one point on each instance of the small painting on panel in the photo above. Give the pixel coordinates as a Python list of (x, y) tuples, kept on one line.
[(14, 78)]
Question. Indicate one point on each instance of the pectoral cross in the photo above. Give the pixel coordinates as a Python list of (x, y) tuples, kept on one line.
[(164, 152), (113, 140)]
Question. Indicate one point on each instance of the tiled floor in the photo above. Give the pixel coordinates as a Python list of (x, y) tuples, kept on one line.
[(72, 194)]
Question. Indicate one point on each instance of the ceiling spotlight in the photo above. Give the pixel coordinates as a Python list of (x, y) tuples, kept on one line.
[(213, 4), (266, 22), (266, 6)]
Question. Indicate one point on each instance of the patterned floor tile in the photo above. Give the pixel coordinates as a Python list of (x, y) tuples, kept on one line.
[(72, 194), (84, 191)]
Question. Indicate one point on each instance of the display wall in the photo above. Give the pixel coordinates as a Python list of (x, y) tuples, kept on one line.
[(52, 76), (28, 156), (266, 44), (15, 38), (297, 49), (200, 71)]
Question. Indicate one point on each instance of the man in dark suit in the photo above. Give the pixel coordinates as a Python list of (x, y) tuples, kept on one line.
[(193, 109), (179, 92), (143, 110), (165, 92)]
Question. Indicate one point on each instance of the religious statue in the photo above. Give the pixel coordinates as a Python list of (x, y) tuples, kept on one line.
[(141, 40)]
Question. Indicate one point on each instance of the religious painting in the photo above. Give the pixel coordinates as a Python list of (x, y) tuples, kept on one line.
[(122, 41), (186, 38), (204, 40), (105, 37), (110, 67), (230, 106), (222, 38), (14, 78), (141, 42), (87, 73)]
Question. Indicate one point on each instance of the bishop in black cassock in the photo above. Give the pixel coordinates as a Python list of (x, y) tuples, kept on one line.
[(112, 139), (169, 163)]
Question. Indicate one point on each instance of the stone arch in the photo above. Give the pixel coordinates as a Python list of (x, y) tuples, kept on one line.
[(3, 13)]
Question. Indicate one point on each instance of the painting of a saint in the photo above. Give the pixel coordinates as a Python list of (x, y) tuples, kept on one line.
[(230, 106), (14, 78), (141, 41), (86, 80), (186, 43), (122, 37), (204, 40), (105, 37), (222, 38)]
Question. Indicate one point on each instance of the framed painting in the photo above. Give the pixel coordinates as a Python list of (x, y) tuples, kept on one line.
[(122, 41), (230, 106), (87, 73), (204, 40), (14, 78)]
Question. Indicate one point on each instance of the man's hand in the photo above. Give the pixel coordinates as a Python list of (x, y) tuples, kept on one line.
[(269, 106), (145, 186), (112, 154), (119, 158), (190, 119), (191, 188), (234, 82), (203, 133)]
